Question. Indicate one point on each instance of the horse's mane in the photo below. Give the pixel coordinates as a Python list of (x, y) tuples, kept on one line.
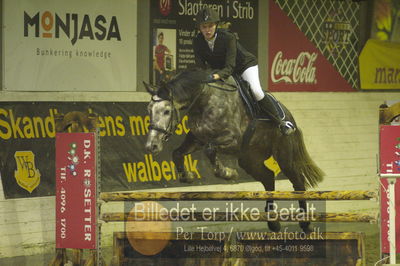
[(191, 76), (185, 84)]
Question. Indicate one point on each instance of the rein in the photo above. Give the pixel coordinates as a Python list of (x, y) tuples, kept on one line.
[(212, 86), (168, 131), (194, 100), (234, 88)]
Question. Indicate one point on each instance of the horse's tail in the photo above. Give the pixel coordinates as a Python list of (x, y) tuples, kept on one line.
[(302, 164)]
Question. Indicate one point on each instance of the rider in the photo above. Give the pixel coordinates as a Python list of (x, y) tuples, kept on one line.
[(219, 49)]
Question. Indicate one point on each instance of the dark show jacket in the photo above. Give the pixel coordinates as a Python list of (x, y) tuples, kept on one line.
[(227, 57)]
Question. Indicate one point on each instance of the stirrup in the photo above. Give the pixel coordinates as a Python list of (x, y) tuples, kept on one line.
[(287, 128)]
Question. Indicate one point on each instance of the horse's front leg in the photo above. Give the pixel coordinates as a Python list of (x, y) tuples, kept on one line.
[(219, 169), (189, 145)]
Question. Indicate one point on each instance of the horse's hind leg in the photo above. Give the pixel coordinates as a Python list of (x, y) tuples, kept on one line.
[(257, 169), (298, 185), (219, 169), (296, 164), (189, 145), (269, 185)]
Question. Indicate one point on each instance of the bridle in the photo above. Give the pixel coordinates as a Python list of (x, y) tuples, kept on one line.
[(173, 121)]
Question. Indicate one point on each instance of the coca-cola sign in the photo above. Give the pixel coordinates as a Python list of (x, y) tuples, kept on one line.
[(294, 70), (295, 62)]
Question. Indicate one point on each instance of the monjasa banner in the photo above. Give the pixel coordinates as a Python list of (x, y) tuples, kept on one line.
[(74, 46), (27, 154)]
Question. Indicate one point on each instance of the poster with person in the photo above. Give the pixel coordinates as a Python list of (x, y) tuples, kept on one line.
[(164, 51), (173, 28)]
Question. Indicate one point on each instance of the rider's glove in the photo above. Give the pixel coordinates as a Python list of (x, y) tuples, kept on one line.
[(210, 79)]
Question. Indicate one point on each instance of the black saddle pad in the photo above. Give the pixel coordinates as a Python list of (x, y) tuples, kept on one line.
[(249, 101)]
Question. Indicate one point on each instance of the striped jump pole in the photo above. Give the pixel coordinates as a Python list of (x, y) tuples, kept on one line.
[(242, 217), (240, 195)]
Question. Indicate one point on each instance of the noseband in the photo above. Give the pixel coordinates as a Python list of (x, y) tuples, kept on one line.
[(170, 128)]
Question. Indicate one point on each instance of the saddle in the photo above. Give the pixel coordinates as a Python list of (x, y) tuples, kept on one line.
[(248, 99), (252, 106)]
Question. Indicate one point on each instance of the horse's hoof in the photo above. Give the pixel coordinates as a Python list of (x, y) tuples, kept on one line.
[(186, 180), (274, 226), (186, 177), (227, 173), (306, 227)]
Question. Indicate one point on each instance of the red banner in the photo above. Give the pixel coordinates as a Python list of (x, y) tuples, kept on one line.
[(389, 164), (389, 150), (295, 63), (76, 190)]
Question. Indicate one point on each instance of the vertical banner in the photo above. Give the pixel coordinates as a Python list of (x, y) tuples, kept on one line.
[(76, 190), (173, 28), (312, 45), (389, 164)]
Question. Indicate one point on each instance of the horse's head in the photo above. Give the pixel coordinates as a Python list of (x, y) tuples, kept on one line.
[(180, 92), (163, 118)]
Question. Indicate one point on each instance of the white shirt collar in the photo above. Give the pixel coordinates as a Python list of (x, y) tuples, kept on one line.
[(212, 42)]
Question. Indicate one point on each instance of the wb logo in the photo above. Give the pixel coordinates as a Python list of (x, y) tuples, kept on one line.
[(27, 175)]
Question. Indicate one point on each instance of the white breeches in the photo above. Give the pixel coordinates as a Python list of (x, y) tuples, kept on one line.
[(251, 76)]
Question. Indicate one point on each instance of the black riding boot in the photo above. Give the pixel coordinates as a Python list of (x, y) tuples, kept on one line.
[(273, 109)]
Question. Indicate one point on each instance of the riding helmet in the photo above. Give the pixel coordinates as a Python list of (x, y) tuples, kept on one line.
[(207, 15)]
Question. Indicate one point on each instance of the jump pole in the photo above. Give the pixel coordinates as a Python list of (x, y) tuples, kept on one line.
[(347, 217), (240, 195)]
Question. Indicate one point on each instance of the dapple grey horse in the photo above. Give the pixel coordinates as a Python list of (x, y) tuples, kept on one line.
[(218, 123)]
